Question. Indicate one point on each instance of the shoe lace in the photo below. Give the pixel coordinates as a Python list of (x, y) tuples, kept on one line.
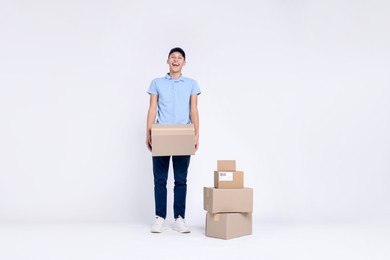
[(158, 222), (180, 222)]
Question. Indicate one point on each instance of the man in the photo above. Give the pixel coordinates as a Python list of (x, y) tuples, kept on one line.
[(173, 100)]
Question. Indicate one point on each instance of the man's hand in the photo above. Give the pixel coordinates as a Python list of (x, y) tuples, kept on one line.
[(149, 142), (196, 142)]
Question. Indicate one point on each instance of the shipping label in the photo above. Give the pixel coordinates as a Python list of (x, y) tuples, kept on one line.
[(226, 176)]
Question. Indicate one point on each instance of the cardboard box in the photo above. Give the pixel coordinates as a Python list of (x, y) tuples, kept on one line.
[(228, 225), (173, 139), (226, 165), (228, 180), (227, 200)]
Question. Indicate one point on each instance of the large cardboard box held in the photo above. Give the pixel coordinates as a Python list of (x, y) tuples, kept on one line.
[(227, 200), (228, 180), (228, 225), (173, 139)]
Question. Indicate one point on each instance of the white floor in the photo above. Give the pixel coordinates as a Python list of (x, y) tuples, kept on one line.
[(133, 241)]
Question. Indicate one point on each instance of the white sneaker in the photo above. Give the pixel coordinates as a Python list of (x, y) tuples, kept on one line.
[(181, 226), (158, 225)]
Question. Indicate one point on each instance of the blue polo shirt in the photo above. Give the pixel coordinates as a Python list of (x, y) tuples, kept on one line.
[(173, 98)]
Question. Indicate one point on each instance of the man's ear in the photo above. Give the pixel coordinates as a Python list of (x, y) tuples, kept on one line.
[(167, 61), (184, 63)]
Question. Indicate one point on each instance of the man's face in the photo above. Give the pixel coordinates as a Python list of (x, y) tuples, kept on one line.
[(176, 62)]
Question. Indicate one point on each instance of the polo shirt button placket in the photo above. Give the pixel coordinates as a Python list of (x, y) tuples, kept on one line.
[(174, 85)]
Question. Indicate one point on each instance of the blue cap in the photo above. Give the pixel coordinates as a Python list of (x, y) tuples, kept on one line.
[(177, 49)]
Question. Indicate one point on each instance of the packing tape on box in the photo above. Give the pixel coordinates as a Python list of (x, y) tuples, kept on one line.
[(206, 202), (216, 217), (173, 129), (170, 134)]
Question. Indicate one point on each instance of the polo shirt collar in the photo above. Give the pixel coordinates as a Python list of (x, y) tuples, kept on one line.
[(169, 77)]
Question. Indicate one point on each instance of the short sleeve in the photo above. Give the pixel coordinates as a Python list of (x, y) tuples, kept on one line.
[(195, 88), (153, 88)]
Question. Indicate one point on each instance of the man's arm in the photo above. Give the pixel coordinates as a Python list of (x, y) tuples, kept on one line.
[(152, 112), (194, 115)]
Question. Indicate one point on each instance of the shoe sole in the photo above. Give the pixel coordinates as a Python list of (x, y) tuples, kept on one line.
[(158, 231), (183, 232)]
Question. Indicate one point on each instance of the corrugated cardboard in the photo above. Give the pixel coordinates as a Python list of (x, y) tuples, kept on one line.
[(228, 180), (228, 225), (173, 139), (226, 165), (227, 200)]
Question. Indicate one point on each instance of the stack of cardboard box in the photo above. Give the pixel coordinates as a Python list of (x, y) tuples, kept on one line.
[(229, 204)]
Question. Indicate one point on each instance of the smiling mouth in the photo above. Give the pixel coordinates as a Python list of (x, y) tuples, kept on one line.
[(175, 65)]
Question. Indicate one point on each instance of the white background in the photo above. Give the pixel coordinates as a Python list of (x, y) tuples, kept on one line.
[(296, 91)]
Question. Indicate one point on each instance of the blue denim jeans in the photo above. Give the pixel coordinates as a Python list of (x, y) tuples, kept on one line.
[(160, 173)]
